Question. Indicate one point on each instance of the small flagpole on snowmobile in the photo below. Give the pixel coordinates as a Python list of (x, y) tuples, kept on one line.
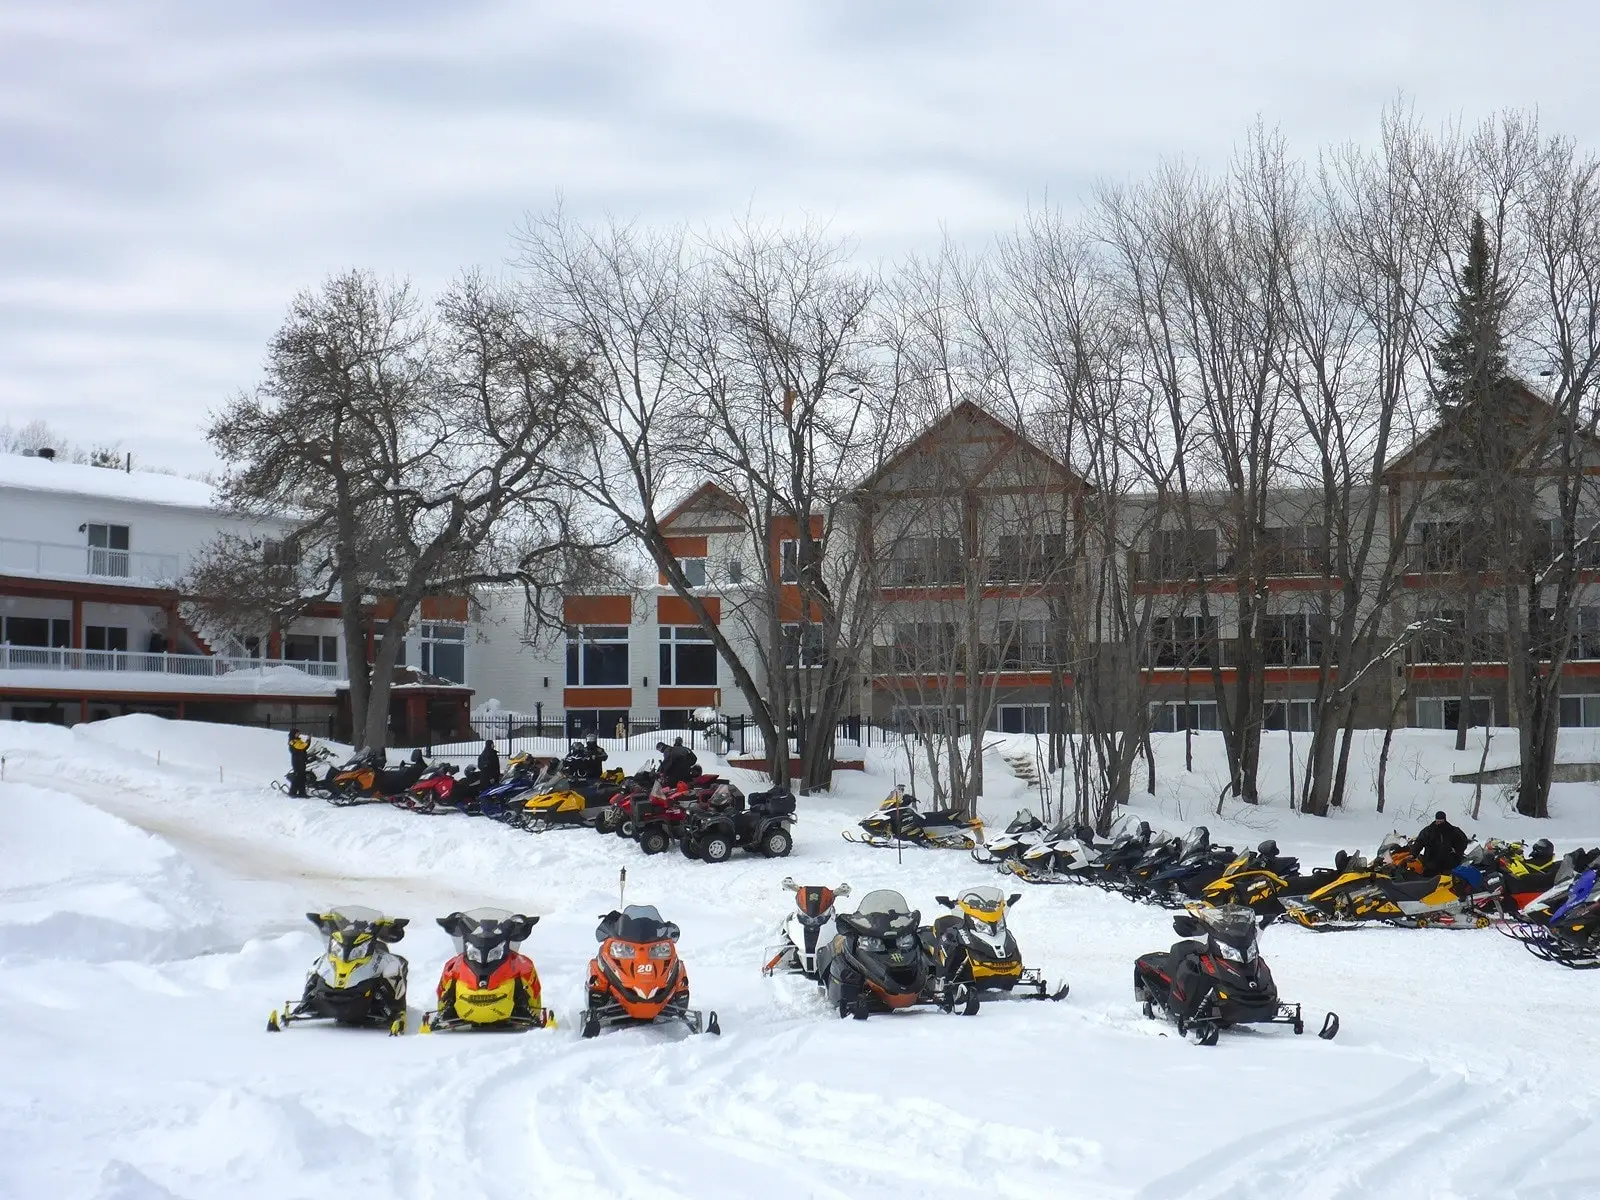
[(622, 886)]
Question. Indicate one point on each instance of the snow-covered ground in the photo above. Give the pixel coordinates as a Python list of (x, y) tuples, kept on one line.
[(152, 913)]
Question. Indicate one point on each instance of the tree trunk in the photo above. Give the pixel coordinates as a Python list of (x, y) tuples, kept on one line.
[(1469, 629)]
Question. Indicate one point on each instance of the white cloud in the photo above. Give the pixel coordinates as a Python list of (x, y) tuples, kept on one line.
[(175, 171)]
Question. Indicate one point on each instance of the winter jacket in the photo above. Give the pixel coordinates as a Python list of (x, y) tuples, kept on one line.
[(299, 748), (1441, 846), (679, 765), (489, 762)]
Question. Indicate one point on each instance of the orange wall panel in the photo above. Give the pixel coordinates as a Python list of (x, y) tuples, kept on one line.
[(687, 547), (583, 697), (675, 610), (444, 608), (689, 697), (597, 610)]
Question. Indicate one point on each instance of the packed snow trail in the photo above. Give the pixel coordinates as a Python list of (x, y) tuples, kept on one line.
[(150, 918)]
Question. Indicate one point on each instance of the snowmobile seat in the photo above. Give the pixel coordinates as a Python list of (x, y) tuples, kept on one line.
[(1415, 889)]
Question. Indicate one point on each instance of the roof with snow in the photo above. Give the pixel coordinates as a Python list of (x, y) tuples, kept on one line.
[(27, 473)]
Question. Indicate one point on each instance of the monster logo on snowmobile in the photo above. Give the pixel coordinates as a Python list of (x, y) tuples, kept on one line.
[(1208, 986), (637, 976), (358, 980), (899, 819), (878, 961), (988, 957), (488, 984), (802, 930)]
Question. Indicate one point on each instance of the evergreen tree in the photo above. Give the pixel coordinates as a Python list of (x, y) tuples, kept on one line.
[(1471, 358)]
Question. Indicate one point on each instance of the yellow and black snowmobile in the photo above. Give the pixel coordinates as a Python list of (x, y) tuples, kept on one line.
[(972, 945), (559, 801), (358, 980), (899, 820), (1390, 892)]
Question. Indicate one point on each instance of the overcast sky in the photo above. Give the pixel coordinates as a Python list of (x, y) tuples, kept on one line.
[(171, 173)]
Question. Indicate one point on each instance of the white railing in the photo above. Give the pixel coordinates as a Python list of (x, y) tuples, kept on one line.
[(58, 561), (203, 666)]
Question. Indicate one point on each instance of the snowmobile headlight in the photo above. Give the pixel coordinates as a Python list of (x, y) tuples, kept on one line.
[(1234, 954), (873, 945), (906, 941), (622, 949), (992, 928), (661, 950), (474, 954)]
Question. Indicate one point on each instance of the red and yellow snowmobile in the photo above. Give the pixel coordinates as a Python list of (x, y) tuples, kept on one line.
[(488, 984), (637, 977), (358, 981)]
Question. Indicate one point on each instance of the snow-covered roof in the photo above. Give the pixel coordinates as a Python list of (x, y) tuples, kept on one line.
[(142, 487)]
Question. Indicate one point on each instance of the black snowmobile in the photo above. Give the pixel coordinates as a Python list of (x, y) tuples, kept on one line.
[(878, 961), (358, 980), (1209, 985)]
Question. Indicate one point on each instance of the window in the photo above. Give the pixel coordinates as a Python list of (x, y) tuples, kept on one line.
[(926, 560), (1187, 641), (1023, 644), (925, 646), (1293, 550), (1181, 554), (284, 552), (109, 644), (1022, 718), (310, 647), (108, 550), (602, 722), (1293, 639), (694, 570), (597, 655), (36, 631), (789, 560), (735, 571), (1580, 711), (805, 650), (1027, 557), (1175, 716), (1293, 715), (378, 630), (444, 651), (688, 658), (1438, 712)]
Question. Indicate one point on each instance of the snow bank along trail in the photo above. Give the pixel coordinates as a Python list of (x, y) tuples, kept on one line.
[(150, 916)]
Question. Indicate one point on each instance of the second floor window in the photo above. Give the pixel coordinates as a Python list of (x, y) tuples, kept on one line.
[(597, 656), (108, 550), (444, 651), (1179, 554), (310, 647), (1186, 641), (789, 560), (803, 649), (1293, 639), (688, 657), (694, 570)]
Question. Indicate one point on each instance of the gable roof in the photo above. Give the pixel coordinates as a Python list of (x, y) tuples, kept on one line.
[(1528, 405), (969, 410), (723, 499)]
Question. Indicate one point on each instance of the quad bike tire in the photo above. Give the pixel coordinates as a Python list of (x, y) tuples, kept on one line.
[(690, 848), (777, 843), (654, 841), (717, 848), (625, 829)]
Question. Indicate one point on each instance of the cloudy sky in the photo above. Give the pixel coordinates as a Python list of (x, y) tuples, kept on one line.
[(171, 173)]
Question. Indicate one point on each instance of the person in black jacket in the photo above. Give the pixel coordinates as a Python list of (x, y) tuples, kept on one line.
[(299, 758), (1440, 845), (678, 763), (489, 763)]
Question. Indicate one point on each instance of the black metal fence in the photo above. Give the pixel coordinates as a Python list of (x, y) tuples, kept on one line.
[(512, 734)]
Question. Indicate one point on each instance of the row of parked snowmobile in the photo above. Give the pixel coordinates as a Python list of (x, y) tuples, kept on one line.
[(635, 976), (1520, 887), (705, 816)]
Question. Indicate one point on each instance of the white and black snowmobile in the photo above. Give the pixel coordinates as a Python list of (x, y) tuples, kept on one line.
[(1024, 831), (803, 929), (358, 980), (1068, 853), (1206, 986)]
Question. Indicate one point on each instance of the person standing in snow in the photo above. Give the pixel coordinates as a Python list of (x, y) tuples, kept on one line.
[(489, 763), (299, 761), (1440, 845)]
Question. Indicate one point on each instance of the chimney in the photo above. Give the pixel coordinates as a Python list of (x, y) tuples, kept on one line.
[(45, 452)]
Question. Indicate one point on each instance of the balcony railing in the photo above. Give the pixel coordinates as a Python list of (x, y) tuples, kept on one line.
[(53, 560), (197, 666), (1285, 562)]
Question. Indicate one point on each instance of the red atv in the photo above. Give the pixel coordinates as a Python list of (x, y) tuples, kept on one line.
[(659, 817)]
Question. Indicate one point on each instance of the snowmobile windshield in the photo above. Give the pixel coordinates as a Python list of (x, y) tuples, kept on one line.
[(885, 909), (1196, 841), (1022, 822), (642, 923), (1233, 928), (351, 932), (985, 907), (487, 935)]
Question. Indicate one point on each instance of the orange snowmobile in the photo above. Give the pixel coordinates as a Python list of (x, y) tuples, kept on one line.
[(637, 977), (488, 984)]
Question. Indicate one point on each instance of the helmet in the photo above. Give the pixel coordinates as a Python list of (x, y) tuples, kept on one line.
[(1543, 851), (1268, 849), (593, 739)]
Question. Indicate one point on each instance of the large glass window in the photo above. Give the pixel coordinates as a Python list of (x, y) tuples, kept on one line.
[(36, 631), (310, 647), (1438, 712), (1177, 716), (688, 657), (1293, 715), (1580, 711), (694, 570), (802, 650), (1022, 718), (597, 655), (444, 651)]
